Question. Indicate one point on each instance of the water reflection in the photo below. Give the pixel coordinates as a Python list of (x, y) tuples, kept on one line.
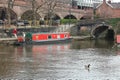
[(61, 61), (92, 44), (49, 49)]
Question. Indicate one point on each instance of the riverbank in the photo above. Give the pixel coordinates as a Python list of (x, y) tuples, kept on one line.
[(8, 41), (11, 41), (81, 37)]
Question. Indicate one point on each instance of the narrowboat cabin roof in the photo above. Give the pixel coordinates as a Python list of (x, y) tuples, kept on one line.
[(51, 33)]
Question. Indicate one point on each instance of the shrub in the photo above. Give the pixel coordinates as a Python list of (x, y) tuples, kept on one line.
[(67, 21)]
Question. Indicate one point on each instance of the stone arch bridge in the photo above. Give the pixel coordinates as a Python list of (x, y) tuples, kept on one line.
[(96, 28)]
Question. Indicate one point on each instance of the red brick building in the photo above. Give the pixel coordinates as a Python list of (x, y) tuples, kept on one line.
[(107, 9)]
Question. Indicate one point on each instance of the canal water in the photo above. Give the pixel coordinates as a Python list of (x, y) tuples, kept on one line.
[(66, 61)]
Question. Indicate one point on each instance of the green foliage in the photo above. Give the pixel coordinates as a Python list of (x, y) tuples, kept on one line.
[(113, 21), (84, 33), (67, 21), (97, 16), (118, 28)]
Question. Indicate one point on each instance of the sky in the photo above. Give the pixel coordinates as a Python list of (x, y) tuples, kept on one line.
[(116, 0)]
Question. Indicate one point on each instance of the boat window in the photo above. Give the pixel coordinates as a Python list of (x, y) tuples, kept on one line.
[(65, 35), (58, 36), (49, 37)]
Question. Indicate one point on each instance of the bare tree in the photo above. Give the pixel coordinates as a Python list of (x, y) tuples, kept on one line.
[(36, 6), (10, 6), (45, 6), (50, 6)]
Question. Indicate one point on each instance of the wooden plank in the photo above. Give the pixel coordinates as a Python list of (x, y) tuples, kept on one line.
[(80, 37), (8, 39)]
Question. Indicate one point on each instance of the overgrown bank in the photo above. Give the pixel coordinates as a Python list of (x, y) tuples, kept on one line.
[(115, 23)]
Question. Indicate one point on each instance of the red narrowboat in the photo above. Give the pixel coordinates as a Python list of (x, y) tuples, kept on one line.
[(45, 38), (42, 37)]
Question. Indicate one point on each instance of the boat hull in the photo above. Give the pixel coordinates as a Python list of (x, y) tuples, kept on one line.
[(61, 41)]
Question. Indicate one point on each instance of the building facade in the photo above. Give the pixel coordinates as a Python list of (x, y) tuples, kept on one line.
[(87, 3), (107, 9)]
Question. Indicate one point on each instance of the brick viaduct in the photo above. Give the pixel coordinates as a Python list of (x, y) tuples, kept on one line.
[(61, 12)]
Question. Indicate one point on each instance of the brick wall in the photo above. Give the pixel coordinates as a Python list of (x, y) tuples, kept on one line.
[(106, 11), (116, 13)]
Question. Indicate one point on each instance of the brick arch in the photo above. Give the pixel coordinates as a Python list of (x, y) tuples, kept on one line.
[(79, 16), (59, 14), (19, 10), (56, 17), (70, 16), (82, 18), (27, 16), (98, 30), (3, 14)]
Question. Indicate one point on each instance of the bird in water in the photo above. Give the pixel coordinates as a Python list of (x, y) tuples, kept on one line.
[(87, 67)]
